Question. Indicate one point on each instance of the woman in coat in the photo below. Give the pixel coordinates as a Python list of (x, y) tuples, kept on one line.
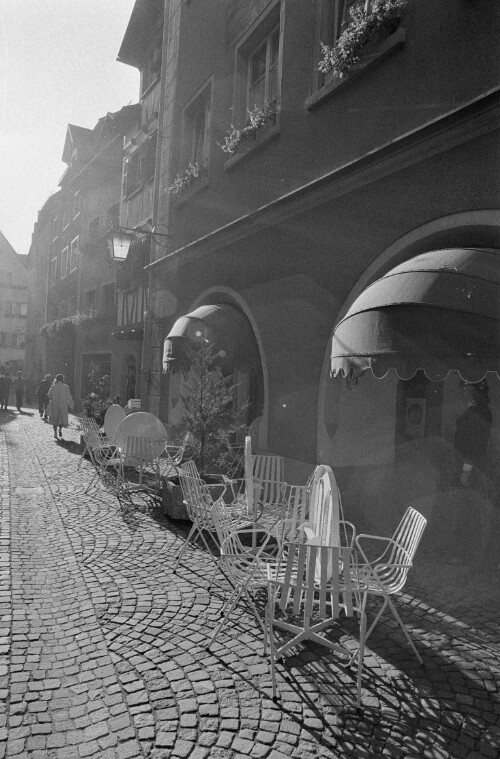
[(60, 401)]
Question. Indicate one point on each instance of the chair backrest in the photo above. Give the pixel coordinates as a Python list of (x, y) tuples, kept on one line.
[(88, 423), (407, 536), (315, 580), (393, 566), (138, 451), (112, 418), (269, 470), (197, 496), (296, 498)]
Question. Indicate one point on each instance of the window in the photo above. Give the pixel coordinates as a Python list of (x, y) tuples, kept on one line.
[(16, 308), (24, 309), (77, 204), (263, 86), (73, 256), (53, 271), (108, 299), (139, 167), (55, 227), (152, 65), (197, 129), (258, 67), (66, 217), (94, 231), (64, 262), (113, 217), (90, 300)]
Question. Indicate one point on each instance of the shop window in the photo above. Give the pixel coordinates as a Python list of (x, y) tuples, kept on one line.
[(64, 262), (73, 256), (197, 129)]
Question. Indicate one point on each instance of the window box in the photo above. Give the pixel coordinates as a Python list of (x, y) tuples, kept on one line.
[(372, 54), (191, 188), (252, 143)]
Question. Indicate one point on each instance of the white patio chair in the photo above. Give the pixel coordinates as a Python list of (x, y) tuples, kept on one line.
[(269, 472), (308, 589), (88, 424), (102, 455), (200, 499), (245, 566), (171, 457), (386, 574)]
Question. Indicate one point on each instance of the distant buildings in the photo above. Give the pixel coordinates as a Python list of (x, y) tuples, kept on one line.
[(13, 307)]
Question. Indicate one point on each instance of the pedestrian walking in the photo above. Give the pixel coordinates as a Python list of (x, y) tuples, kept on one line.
[(4, 397), (42, 394), (18, 387), (60, 402)]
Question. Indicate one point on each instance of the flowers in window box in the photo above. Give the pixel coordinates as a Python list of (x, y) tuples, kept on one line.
[(382, 17), (185, 179), (257, 118)]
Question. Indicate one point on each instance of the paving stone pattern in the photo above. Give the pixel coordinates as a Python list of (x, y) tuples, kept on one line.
[(103, 648)]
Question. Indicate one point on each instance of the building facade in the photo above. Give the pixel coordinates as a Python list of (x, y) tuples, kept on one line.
[(288, 181), (13, 307), (76, 304)]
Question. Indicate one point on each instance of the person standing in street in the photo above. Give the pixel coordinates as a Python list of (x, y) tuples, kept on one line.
[(42, 393), (60, 402), (4, 398), (18, 387)]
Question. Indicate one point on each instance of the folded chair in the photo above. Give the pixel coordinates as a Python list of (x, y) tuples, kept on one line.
[(386, 574), (308, 590)]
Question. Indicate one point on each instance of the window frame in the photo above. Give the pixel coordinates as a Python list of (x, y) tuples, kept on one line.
[(199, 104), (64, 267), (268, 43), (263, 27), (53, 271), (74, 254)]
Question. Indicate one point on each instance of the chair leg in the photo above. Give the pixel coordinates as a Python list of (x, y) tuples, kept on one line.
[(361, 650), (184, 546), (403, 628)]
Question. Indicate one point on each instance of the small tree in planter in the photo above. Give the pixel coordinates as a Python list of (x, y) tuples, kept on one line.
[(209, 415)]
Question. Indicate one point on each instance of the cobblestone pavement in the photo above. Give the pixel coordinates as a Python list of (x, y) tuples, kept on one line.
[(102, 647)]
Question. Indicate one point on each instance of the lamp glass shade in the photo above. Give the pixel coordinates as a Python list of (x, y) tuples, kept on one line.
[(119, 245)]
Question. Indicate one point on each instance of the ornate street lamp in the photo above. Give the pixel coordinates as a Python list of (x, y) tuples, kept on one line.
[(121, 238)]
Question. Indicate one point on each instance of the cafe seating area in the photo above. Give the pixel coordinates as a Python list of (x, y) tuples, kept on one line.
[(284, 550)]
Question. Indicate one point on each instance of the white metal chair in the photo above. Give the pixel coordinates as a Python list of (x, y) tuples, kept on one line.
[(386, 573), (102, 455), (308, 589), (200, 499), (171, 457), (245, 566), (88, 424), (269, 472)]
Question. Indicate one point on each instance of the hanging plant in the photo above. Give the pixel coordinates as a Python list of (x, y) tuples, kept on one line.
[(185, 178), (381, 17), (67, 324), (257, 118)]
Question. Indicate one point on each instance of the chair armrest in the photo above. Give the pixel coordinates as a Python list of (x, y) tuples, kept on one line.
[(343, 524), (374, 538)]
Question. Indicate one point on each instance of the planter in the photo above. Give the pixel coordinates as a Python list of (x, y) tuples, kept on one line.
[(172, 503)]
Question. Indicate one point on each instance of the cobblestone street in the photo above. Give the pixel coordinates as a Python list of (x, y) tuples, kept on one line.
[(103, 649)]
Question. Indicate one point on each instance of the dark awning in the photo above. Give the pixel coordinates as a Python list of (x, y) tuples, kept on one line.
[(437, 312), (224, 326)]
